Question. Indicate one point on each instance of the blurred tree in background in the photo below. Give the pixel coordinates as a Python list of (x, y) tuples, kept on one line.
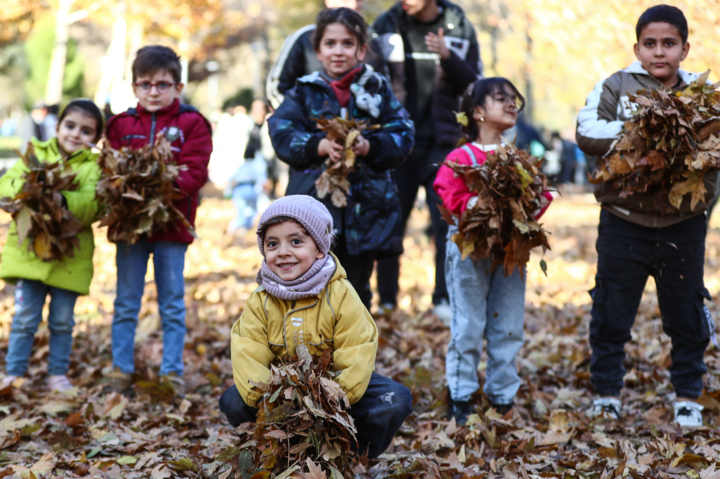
[(38, 52), (553, 50)]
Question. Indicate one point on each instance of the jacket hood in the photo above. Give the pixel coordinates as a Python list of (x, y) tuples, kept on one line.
[(637, 69), (339, 270), (50, 149)]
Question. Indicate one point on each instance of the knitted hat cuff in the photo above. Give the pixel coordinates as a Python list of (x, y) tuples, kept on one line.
[(306, 210)]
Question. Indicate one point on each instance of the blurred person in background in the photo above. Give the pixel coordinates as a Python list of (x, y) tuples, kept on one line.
[(247, 184), (429, 52), (297, 57), (229, 143), (568, 159), (32, 125)]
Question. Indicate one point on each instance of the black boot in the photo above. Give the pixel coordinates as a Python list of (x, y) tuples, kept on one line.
[(502, 409), (460, 410)]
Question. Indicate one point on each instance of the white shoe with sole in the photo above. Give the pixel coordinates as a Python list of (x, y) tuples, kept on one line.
[(608, 407), (443, 311), (59, 383), (688, 413), (7, 381)]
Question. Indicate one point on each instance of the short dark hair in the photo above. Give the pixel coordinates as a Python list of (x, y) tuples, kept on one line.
[(86, 107), (666, 14), (153, 58), (347, 17), (476, 95)]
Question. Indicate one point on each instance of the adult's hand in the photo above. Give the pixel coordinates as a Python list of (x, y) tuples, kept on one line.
[(436, 44)]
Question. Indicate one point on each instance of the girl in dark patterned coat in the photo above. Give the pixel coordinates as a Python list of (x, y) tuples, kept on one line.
[(370, 226)]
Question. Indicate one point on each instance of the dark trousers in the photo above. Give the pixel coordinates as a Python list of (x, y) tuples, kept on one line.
[(674, 256), (358, 268), (420, 168), (378, 415)]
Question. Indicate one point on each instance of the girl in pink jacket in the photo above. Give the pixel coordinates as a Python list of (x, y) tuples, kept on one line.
[(484, 304)]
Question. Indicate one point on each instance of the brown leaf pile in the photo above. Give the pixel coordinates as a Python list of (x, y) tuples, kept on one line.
[(334, 179), (502, 225), (668, 146), (138, 187), (302, 415), (37, 209), (91, 433)]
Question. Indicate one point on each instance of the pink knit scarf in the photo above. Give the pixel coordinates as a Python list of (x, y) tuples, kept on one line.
[(309, 284)]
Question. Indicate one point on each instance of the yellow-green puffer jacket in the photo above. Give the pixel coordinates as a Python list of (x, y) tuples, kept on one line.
[(272, 328), (75, 273)]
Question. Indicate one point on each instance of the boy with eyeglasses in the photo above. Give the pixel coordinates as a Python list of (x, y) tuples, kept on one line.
[(157, 85)]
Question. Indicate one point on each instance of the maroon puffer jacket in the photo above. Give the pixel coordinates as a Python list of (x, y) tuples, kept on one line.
[(190, 138)]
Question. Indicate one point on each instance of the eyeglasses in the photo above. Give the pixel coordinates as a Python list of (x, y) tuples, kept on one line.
[(161, 86)]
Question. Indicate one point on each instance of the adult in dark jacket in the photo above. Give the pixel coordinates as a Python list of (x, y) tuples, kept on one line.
[(370, 225), (429, 51), (297, 57)]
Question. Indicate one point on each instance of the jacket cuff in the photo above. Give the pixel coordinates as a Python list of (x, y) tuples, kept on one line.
[(311, 149), (374, 151)]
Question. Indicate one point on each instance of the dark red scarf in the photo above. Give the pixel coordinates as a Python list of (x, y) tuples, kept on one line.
[(341, 87)]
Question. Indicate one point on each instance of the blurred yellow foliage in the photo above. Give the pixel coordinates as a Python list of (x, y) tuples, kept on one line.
[(576, 44)]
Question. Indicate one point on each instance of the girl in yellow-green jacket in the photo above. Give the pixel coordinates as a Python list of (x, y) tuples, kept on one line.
[(80, 122), (305, 298)]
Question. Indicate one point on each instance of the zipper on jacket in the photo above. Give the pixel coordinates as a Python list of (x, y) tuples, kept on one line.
[(152, 128)]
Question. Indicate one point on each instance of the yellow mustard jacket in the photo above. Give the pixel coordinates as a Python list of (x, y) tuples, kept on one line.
[(271, 328)]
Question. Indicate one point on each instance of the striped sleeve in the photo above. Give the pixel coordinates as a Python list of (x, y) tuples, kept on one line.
[(283, 73), (598, 126)]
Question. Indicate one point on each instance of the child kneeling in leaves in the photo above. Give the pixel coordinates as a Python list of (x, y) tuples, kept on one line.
[(305, 298)]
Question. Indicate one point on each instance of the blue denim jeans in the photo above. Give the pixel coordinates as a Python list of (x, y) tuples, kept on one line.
[(489, 305), (169, 263), (244, 198), (675, 257), (378, 415), (29, 300)]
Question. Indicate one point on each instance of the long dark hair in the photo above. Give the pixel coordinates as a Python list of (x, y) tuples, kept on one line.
[(347, 17), (86, 107), (477, 94)]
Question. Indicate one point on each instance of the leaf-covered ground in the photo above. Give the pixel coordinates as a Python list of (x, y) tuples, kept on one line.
[(88, 433)]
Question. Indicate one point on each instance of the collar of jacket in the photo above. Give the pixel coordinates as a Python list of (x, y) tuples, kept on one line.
[(453, 13), (172, 109), (317, 79), (637, 69), (50, 149)]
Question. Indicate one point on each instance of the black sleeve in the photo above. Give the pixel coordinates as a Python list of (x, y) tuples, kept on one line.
[(289, 66), (461, 73)]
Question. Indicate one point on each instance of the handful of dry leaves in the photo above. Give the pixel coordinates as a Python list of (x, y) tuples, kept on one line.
[(302, 416), (138, 187), (502, 225), (334, 179), (669, 145), (37, 209)]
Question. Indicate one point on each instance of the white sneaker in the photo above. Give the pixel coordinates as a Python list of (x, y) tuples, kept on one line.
[(688, 413), (59, 383), (443, 311), (386, 309), (7, 381), (608, 407)]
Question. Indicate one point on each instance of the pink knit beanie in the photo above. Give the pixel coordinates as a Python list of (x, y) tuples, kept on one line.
[(307, 211)]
